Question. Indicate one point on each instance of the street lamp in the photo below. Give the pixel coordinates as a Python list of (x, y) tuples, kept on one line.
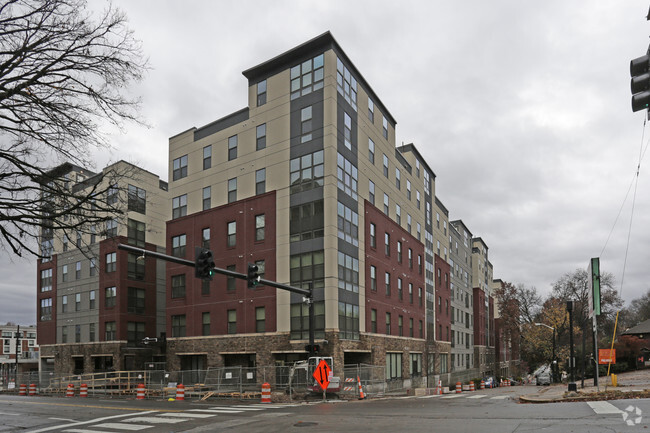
[(553, 360)]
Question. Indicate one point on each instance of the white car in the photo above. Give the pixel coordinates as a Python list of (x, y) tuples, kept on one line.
[(543, 379)]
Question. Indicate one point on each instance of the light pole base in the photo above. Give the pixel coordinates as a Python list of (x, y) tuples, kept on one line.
[(573, 387)]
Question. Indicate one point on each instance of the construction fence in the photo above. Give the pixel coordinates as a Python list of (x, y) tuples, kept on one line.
[(221, 382)]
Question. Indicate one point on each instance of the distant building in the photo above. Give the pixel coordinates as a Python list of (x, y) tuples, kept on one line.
[(19, 351), (96, 303)]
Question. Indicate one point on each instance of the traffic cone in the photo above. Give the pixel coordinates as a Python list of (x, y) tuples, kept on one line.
[(361, 395)]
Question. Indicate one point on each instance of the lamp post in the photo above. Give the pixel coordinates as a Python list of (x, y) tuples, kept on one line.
[(553, 360), (572, 384)]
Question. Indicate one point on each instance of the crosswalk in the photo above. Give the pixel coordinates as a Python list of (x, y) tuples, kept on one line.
[(472, 396), (158, 419)]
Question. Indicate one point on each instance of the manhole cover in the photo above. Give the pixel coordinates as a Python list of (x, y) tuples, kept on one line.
[(305, 424)]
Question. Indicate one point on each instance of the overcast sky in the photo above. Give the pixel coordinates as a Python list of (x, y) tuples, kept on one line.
[(521, 108)]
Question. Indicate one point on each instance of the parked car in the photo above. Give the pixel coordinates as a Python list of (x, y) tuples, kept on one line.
[(489, 382), (544, 378)]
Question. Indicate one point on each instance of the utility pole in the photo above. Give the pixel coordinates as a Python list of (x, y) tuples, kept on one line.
[(572, 385), (17, 346)]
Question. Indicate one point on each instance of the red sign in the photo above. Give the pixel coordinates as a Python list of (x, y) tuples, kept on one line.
[(322, 374), (607, 356)]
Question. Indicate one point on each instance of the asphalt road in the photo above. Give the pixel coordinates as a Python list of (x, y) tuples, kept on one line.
[(496, 410)]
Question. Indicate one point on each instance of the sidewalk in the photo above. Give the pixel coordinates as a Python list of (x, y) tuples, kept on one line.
[(634, 381)]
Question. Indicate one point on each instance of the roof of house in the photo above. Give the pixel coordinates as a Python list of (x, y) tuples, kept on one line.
[(641, 328)]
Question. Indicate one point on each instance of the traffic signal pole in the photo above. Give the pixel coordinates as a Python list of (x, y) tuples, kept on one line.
[(308, 294)]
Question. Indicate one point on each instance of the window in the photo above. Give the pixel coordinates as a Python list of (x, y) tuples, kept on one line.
[(306, 221), (260, 181), (231, 282), (135, 300), (410, 293), (346, 84), (65, 243), (399, 289), (93, 266), (348, 321), (207, 157), (179, 206), (205, 323), (411, 327), (205, 238), (260, 319), (232, 148), (136, 270), (179, 168), (46, 309), (387, 244), (307, 77), (371, 192), (387, 282), (91, 332), (46, 280), (178, 245), (385, 158), (110, 296), (306, 172), (348, 272), (393, 366), (205, 287), (415, 366), (420, 328), (408, 189), (373, 320), (178, 286), (398, 214), (92, 304), (78, 242), (409, 222), (261, 93), (306, 125), (419, 230), (232, 321), (136, 233), (347, 224), (178, 325), (111, 194), (300, 321), (64, 304), (410, 258), (417, 198), (398, 179), (371, 110), (137, 199), (384, 124), (64, 334), (207, 198), (400, 325), (347, 175), (261, 136), (232, 234), (232, 190), (373, 235), (135, 331), (77, 301), (373, 278), (347, 130), (111, 229), (261, 267), (93, 234), (260, 227), (417, 168), (371, 151), (387, 323), (399, 251)]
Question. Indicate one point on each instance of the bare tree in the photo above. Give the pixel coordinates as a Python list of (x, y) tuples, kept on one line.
[(63, 74)]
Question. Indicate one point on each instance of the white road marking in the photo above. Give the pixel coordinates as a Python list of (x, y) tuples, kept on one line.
[(156, 419), (603, 407), (454, 396), (499, 397), (186, 415), (79, 430), (430, 396), (123, 426), (92, 421), (216, 410), (240, 408), (477, 396)]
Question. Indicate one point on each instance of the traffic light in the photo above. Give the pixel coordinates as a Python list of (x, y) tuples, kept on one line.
[(203, 263), (253, 276), (316, 348), (640, 82)]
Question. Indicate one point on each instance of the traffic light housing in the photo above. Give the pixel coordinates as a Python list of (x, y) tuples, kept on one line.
[(316, 348), (253, 276), (640, 82), (203, 263)]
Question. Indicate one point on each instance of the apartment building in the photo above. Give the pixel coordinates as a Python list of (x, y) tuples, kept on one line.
[(96, 303), (306, 182), (482, 275), (19, 351)]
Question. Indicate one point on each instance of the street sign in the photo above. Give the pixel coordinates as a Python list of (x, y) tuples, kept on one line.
[(606, 356), (322, 374)]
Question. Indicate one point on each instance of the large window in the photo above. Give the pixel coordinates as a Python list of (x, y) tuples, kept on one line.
[(384, 125), (260, 140), (112, 194), (260, 227), (135, 331), (232, 321), (232, 148), (64, 304), (178, 286), (385, 159), (306, 172), (261, 93), (348, 270), (110, 296), (347, 130), (207, 198), (64, 273), (371, 192), (46, 309), (77, 301), (346, 84), (348, 321), (111, 262), (92, 299), (46, 280), (137, 199), (306, 221), (300, 321), (111, 228), (178, 245), (348, 224), (387, 283), (307, 77), (231, 239), (178, 326), (347, 175), (180, 168), (393, 366), (136, 269), (77, 271), (232, 190), (179, 206), (373, 278), (260, 319), (371, 111), (136, 233), (415, 366), (260, 181), (207, 157), (110, 331), (135, 301), (306, 124)]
